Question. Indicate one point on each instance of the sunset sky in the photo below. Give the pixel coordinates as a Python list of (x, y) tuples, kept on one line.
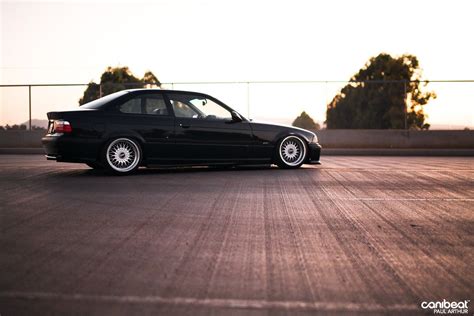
[(185, 40)]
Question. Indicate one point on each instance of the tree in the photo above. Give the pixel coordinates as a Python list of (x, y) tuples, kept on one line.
[(380, 94), (116, 79), (15, 127), (305, 121)]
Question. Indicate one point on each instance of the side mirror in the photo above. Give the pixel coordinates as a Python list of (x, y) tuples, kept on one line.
[(235, 117)]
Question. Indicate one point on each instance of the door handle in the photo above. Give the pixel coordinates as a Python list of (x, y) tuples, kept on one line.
[(184, 125)]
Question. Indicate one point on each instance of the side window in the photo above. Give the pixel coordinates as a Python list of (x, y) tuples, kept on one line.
[(198, 107), (155, 105), (182, 109), (151, 104), (132, 106)]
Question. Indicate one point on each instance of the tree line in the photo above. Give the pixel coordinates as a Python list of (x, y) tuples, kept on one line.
[(386, 93), (20, 127), (117, 79)]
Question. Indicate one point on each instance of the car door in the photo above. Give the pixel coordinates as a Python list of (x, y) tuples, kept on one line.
[(205, 130), (147, 115)]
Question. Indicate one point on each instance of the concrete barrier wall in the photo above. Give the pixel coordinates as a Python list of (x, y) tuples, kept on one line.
[(395, 139), (21, 139), (327, 138)]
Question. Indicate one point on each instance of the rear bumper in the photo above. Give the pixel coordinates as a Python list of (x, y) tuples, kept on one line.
[(314, 153), (68, 149), (52, 146)]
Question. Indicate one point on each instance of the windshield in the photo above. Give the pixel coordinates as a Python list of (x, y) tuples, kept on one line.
[(96, 104)]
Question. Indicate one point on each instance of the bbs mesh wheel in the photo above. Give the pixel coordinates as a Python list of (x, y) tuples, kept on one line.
[(122, 156), (291, 152)]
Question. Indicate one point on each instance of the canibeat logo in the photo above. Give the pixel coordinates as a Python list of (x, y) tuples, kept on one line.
[(446, 307)]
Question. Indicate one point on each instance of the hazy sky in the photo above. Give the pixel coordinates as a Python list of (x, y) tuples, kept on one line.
[(185, 40)]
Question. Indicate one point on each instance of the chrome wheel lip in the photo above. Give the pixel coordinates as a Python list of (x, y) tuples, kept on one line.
[(292, 151), (123, 155)]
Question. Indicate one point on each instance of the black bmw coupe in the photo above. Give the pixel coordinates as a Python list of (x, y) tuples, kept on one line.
[(146, 127)]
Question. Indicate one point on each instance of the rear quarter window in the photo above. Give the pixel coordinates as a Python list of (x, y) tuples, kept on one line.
[(132, 106), (148, 104), (97, 104)]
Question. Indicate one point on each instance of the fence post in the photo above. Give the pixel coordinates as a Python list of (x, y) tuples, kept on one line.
[(100, 90), (248, 100), (29, 107), (405, 99)]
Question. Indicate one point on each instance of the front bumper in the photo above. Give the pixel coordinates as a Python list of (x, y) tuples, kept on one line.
[(314, 153)]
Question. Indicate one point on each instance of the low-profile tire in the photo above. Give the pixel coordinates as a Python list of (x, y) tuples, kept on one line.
[(291, 152), (95, 165), (122, 156)]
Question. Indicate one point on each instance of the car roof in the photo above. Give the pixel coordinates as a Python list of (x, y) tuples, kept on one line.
[(162, 90)]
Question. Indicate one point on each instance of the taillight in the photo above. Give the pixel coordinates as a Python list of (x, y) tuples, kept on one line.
[(61, 126)]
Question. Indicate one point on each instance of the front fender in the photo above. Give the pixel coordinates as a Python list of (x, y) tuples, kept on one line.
[(273, 133)]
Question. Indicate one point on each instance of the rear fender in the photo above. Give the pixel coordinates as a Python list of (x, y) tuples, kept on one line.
[(124, 133)]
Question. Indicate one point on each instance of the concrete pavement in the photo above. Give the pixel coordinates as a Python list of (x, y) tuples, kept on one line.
[(355, 235)]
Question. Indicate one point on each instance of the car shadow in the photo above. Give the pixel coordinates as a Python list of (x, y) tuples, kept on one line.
[(143, 171), (199, 169)]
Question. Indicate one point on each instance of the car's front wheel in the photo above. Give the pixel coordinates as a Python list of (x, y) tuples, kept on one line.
[(122, 156), (291, 152)]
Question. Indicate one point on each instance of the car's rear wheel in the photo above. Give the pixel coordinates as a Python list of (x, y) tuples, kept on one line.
[(122, 156), (291, 152)]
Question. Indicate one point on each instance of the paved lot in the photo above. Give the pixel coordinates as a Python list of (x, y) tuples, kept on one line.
[(356, 234)]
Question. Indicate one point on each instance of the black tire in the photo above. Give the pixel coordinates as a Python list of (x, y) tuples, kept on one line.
[(95, 165), (121, 156), (291, 152)]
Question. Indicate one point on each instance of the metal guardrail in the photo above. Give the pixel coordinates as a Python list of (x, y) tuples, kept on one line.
[(247, 83)]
